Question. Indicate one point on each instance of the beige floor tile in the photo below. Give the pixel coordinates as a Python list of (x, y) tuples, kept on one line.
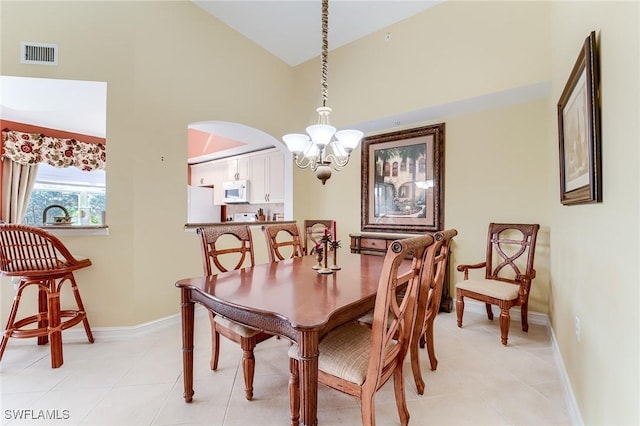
[(138, 381)]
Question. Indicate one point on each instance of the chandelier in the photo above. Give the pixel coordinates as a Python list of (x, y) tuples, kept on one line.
[(323, 148)]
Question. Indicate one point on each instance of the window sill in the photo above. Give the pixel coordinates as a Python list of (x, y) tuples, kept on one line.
[(76, 230)]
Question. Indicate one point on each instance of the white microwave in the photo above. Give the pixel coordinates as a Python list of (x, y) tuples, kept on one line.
[(236, 191)]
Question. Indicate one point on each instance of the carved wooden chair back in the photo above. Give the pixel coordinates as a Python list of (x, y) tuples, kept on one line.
[(222, 246), (509, 270), (283, 241), (358, 360), (226, 247), (429, 305), (313, 231), (39, 258)]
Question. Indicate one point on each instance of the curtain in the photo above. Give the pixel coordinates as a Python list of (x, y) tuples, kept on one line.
[(21, 156), (34, 148), (17, 183)]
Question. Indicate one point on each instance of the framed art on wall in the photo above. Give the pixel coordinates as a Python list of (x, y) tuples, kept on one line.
[(579, 130), (403, 180)]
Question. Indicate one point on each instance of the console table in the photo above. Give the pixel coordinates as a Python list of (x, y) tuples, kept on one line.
[(377, 244)]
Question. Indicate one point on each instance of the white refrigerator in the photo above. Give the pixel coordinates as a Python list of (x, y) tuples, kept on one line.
[(200, 205)]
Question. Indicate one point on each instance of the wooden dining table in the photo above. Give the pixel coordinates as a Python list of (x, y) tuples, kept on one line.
[(287, 298)]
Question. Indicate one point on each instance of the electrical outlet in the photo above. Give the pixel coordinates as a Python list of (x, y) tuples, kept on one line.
[(577, 325)]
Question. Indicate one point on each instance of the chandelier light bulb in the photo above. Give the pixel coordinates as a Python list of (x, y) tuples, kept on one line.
[(296, 142), (349, 139)]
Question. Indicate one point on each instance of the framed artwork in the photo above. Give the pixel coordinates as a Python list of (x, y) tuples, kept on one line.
[(403, 181), (579, 130)]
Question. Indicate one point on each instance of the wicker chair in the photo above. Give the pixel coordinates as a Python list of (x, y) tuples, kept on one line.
[(283, 241), (313, 231), (358, 360), (508, 274), (223, 246), (38, 258)]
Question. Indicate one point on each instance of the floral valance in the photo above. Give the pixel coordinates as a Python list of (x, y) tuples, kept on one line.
[(34, 148)]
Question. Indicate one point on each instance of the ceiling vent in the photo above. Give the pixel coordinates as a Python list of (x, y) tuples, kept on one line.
[(38, 53)]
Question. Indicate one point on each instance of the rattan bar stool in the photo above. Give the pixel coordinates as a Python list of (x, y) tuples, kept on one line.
[(40, 259)]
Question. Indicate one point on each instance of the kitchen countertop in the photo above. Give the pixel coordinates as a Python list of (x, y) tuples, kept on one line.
[(231, 223)]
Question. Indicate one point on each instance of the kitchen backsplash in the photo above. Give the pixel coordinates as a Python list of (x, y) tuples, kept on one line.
[(269, 209)]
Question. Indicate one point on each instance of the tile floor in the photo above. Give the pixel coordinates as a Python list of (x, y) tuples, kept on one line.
[(139, 382)]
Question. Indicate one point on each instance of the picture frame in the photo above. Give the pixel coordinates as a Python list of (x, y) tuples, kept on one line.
[(403, 181), (579, 130)]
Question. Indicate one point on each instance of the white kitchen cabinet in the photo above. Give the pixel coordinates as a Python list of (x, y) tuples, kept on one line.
[(202, 174), (267, 178), (237, 168)]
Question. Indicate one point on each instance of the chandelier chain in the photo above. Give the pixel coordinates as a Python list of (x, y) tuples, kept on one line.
[(325, 51)]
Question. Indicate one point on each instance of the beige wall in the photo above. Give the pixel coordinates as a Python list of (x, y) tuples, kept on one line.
[(496, 165), (168, 64), (594, 264)]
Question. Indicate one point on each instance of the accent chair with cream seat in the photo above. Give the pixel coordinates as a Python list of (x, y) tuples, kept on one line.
[(509, 270), (229, 248), (358, 360), (38, 258)]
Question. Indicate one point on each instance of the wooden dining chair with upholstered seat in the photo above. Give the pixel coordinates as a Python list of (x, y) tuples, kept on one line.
[(429, 306), (228, 248), (313, 232), (509, 270), (358, 360), (283, 241), (38, 258)]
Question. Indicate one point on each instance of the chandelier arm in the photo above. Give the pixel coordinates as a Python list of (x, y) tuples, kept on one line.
[(337, 162)]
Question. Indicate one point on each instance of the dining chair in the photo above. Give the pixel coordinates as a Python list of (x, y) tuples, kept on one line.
[(429, 306), (358, 360), (38, 258), (283, 241), (229, 248), (509, 270), (313, 231)]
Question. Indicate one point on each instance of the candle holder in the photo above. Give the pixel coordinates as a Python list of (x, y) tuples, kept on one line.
[(325, 249), (335, 245), (318, 252)]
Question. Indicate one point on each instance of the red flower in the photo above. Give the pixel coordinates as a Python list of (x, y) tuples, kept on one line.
[(27, 148), (68, 152)]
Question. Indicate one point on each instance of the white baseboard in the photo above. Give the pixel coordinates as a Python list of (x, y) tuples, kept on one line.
[(540, 319), (111, 334), (574, 411)]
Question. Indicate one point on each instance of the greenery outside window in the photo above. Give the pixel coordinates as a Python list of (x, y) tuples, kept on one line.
[(81, 193)]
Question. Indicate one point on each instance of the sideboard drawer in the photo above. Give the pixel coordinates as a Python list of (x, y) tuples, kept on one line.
[(373, 244)]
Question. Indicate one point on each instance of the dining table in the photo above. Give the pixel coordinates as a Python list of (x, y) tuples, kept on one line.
[(287, 298)]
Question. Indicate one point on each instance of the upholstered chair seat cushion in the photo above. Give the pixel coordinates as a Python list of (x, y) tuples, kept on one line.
[(240, 329), (492, 288), (344, 352)]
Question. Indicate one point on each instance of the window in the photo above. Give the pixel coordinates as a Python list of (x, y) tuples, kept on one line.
[(81, 193)]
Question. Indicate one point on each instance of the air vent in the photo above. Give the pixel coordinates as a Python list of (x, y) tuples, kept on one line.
[(38, 53)]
